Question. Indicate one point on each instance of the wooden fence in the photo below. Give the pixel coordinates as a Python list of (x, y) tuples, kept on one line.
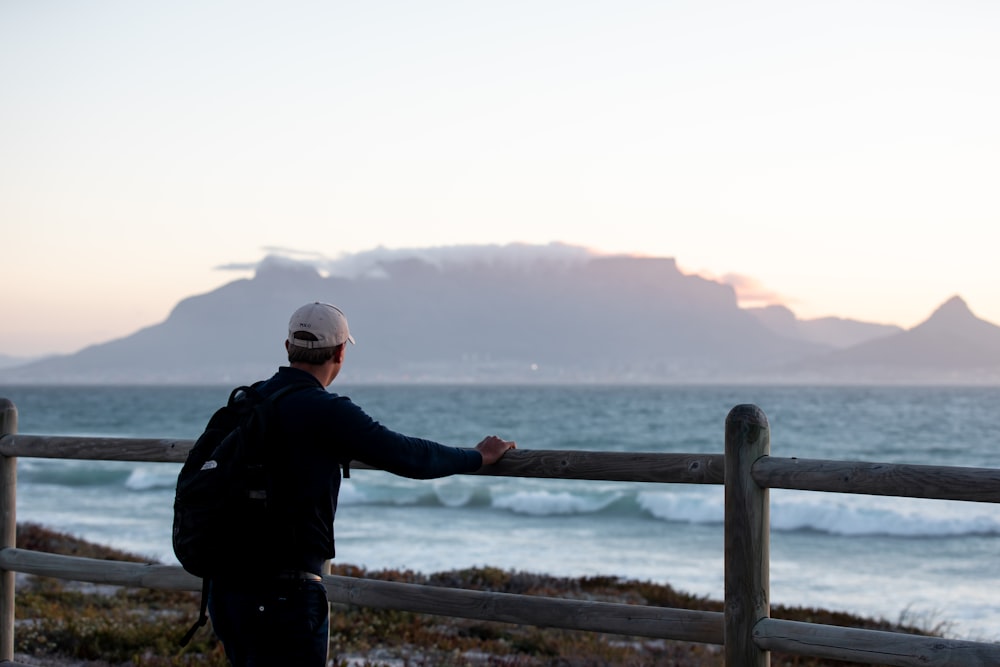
[(745, 628)]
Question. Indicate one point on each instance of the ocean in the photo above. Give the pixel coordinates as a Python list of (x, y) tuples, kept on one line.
[(929, 563)]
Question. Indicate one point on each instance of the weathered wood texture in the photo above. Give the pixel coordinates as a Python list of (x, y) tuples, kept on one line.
[(8, 529), (611, 466), (96, 449), (880, 479), (604, 466), (98, 571), (632, 620), (872, 646), (747, 530), (623, 619)]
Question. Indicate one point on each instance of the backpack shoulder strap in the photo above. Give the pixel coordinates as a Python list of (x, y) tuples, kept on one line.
[(202, 614), (262, 408)]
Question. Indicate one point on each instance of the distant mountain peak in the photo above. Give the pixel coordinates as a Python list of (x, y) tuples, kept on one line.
[(954, 312), (954, 304)]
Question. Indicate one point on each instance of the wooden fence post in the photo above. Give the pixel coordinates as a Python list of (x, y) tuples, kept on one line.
[(8, 530), (747, 541)]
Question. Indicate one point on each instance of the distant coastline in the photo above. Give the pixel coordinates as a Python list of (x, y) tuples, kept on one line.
[(603, 320)]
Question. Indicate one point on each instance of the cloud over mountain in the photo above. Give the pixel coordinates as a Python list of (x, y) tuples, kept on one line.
[(370, 263)]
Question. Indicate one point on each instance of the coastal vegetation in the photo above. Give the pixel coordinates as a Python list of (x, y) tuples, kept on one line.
[(68, 623)]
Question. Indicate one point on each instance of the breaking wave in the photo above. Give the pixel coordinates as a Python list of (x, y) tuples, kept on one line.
[(835, 514), (791, 511)]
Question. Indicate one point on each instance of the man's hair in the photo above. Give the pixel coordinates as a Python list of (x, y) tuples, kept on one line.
[(305, 355)]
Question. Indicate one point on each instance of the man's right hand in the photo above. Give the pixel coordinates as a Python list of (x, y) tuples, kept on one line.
[(493, 448)]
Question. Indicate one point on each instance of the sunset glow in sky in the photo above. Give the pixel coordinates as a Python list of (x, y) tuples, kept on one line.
[(842, 158)]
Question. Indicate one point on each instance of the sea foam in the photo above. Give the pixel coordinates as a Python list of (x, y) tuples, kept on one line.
[(547, 503)]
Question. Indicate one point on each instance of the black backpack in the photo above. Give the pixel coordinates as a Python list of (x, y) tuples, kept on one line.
[(223, 520)]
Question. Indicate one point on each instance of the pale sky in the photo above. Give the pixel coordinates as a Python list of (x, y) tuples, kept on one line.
[(843, 156)]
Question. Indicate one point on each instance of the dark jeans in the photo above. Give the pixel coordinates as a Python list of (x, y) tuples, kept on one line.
[(278, 624)]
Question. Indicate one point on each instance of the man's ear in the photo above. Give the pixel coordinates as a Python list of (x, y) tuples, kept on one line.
[(338, 354)]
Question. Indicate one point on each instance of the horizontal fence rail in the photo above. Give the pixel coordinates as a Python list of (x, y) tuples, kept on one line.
[(858, 477), (746, 469), (634, 620), (879, 479), (871, 646), (541, 463)]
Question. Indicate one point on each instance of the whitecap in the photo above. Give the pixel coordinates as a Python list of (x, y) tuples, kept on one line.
[(841, 514), (547, 503), (350, 494), (693, 507), (146, 479)]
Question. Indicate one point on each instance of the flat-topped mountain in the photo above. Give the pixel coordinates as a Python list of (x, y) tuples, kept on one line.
[(598, 319)]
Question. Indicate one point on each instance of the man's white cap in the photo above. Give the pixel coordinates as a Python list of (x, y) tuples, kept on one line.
[(322, 320)]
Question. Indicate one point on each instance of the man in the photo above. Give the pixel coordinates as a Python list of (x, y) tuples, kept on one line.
[(280, 616)]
